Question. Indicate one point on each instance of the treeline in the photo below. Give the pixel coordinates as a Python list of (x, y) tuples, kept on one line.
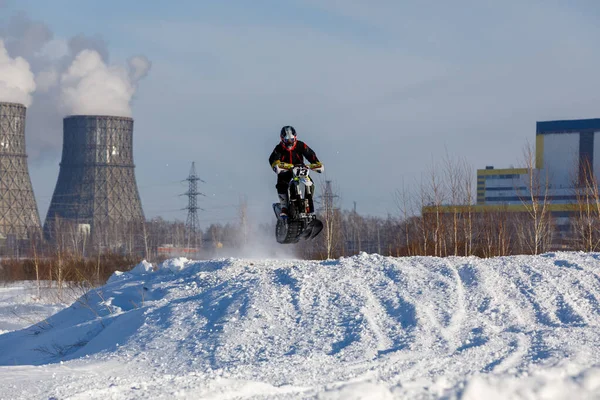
[(435, 217), (438, 216), (62, 271)]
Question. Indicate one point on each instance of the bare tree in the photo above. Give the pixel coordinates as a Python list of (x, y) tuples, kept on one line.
[(435, 196), (35, 240), (244, 224), (467, 199), (331, 218), (59, 237), (587, 222), (537, 235), (355, 230), (453, 176), (459, 184), (494, 235), (406, 211), (145, 238)]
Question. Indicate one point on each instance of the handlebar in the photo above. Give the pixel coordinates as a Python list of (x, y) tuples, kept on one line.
[(316, 169), (288, 167), (301, 166)]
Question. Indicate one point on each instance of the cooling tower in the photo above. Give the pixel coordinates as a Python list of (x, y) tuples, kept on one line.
[(18, 210), (96, 188)]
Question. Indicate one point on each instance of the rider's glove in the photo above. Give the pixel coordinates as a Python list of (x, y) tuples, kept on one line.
[(279, 167), (318, 167)]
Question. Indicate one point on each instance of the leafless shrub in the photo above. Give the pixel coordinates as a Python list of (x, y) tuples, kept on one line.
[(58, 351)]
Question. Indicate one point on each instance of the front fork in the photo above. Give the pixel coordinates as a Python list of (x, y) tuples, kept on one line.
[(302, 196)]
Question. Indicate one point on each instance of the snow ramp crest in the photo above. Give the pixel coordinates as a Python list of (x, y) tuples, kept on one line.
[(406, 327)]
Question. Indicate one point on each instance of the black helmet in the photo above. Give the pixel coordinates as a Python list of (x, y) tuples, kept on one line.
[(288, 136)]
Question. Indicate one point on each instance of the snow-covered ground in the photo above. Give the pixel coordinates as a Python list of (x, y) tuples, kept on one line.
[(23, 303), (365, 327)]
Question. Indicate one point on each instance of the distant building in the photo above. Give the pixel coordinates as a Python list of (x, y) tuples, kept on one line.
[(19, 217), (566, 153), (96, 194), (563, 150)]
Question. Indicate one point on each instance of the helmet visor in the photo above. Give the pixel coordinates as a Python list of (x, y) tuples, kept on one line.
[(288, 139)]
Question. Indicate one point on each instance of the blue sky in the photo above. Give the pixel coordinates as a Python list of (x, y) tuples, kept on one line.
[(382, 90)]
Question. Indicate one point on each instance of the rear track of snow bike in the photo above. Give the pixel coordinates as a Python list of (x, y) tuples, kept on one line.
[(291, 230)]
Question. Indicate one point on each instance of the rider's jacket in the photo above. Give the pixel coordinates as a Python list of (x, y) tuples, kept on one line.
[(294, 155)]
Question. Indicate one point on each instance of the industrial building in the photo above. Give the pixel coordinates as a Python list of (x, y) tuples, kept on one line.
[(564, 157), (560, 175), (564, 150), (551, 202), (96, 193), (19, 217)]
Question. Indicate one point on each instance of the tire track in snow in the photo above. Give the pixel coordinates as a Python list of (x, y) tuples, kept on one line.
[(424, 286), (441, 308), (590, 309), (566, 309), (503, 318), (459, 314)]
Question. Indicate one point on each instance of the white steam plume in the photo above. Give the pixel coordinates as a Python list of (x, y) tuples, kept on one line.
[(62, 79), (46, 80), (138, 67), (17, 82), (90, 86)]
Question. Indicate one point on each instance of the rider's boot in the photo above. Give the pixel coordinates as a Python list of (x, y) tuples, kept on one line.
[(283, 200)]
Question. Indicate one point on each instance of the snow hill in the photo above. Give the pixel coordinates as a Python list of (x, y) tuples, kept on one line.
[(364, 327), (20, 305)]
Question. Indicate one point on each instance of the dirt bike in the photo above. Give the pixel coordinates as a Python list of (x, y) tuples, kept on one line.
[(301, 221)]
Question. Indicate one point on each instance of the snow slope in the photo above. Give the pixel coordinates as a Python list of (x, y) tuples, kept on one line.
[(355, 328), (21, 305)]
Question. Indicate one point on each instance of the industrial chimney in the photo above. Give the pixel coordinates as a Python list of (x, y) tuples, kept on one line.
[(96, 191), (18, 210)]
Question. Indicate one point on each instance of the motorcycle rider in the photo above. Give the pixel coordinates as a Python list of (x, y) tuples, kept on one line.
[(289, 152)]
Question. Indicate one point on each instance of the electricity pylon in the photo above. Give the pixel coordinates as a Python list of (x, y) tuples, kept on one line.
[(192, 224)]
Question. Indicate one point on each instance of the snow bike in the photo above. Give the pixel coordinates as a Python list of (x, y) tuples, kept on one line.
[(301, 222)]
